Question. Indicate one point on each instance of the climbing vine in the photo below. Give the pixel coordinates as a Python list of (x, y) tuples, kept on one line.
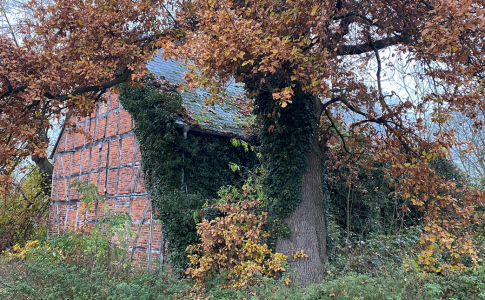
[(285, 143), (182, 174)]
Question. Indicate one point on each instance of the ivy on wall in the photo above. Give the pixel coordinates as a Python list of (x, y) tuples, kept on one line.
[(202, 160)]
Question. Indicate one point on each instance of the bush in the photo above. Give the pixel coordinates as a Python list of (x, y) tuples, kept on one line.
[(45, 278), (105, 243), (24, 202), (231, 252), (42, 279), (92, 263)]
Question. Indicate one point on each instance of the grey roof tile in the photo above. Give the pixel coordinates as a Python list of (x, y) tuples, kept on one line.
[(221, 117)]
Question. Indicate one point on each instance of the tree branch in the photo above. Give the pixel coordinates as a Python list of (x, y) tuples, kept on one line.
[(367, 47), (378, 75), (427, 4), (338, 132), (93, 88), (352, 14), (379, 120), (9, 25)]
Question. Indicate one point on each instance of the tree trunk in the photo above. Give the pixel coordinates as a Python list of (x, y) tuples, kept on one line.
[(307, 224), (46, 169)]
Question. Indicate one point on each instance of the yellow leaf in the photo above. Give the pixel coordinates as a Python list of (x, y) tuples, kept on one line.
[(314, 10)]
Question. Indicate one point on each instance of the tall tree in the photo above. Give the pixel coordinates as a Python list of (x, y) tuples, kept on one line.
[(11, 13), (60, 59), (315, 69)]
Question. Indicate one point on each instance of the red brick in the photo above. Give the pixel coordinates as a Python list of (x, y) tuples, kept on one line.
[(84, 178), (62, 142), (138, 207), (104, 155), (94, 157), (70, 139), (113, 124), (79, 136), (71, 220), (112, 181), (90, 126), (93, 114), (86, 160), (119, 181), (125, 209), (100, 128), (65, 165), (56, 168), (140, 260), (138, 153), (61, 194), (114, 153), (61, 214), (125, 121), (54, 189), (102, 182), (76, 162), (93, 179), (124, 185), (144, 236), (90, 215), (110, 205), (156, 236), (73, 194), (140, 188), (52, 213), (127, 150), (114, 104)]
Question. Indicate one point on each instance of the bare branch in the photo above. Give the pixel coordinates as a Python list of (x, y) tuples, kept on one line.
[(367, 47), (378, 75), (2, 8), (338, 132)]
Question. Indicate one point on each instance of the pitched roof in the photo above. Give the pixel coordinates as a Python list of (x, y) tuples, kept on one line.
[(222, 117)]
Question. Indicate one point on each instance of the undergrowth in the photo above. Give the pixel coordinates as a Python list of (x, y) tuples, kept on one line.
[(379, 268), (91, 265)]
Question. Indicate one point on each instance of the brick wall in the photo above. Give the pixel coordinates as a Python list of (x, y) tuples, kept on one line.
[(106, 153)]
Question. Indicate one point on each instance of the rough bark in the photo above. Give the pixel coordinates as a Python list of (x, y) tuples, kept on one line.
[(307, 224), (46, 169)]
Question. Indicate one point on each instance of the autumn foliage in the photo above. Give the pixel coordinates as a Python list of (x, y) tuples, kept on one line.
[(64, 60), (24, 207), (231, 252), (339, 52), (335, 53)]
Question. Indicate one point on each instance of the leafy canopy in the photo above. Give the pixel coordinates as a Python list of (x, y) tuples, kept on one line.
[(335, 51)]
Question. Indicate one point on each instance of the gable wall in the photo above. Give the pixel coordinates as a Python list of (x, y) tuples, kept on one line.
[(108, 156)]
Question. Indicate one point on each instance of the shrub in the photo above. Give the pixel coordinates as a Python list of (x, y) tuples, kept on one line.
[(24, 202), (42, 279), (231, 252), (105, 243), (91, 263)]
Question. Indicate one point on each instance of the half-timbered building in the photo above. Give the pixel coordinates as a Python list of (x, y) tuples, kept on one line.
[(103, 150)]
